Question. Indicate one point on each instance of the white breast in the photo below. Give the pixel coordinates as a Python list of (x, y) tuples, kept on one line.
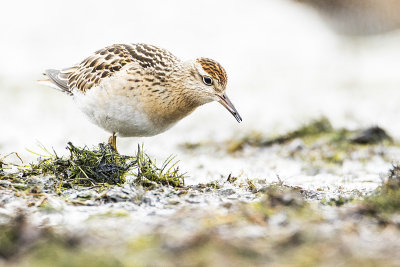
[(117, 108)]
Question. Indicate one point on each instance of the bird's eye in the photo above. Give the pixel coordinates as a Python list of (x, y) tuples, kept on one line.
[(207, 80)]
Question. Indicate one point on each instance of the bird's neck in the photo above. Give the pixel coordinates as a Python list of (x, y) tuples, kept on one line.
[(178, 99)]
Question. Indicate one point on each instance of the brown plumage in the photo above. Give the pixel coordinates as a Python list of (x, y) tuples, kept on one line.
[(215, 70), (140, 89)]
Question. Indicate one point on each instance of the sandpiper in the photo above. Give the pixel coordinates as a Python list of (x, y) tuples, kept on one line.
[(139, 89), (358, 17)]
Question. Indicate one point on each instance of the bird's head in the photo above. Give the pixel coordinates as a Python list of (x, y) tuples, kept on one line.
[(207, 82)]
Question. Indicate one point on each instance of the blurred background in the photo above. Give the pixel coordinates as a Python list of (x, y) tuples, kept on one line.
[(288, 62)]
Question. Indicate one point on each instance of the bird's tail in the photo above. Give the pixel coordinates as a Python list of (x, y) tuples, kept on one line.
[(56, 79)]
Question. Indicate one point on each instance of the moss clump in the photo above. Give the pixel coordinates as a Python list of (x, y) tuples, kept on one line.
[(11, 179), (85, 167), (101, 165), (339, 201), (4, 166), (210, 185), (386, 199), (310, 132), (149, 175), (231, 179), (313, 128), (251, 186)]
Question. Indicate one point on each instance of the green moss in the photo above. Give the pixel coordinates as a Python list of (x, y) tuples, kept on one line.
[(4, 175), (210, 185), (386, 198), (102, 166), (143, 242), (9, 236), (251, 186), (20, 186), (59, 253), (231, 179), (334, 144), (149, 175), (115, 213), (15, 181), (339, 201), (84, 167), (313, 128), (295, 236)]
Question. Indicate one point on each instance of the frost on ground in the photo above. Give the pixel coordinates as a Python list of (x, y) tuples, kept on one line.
[(98, 208)]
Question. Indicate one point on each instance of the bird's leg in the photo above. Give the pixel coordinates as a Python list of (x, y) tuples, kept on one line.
[(112, 140)]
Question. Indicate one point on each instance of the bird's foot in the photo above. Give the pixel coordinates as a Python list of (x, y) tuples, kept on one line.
[(112, 140)]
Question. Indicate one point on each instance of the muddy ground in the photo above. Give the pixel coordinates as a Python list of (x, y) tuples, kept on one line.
[(59, 210)]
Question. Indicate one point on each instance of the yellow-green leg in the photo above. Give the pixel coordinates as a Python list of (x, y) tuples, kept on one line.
[(112, 140)]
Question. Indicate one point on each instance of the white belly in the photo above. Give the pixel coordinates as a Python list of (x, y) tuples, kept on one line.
[(117, 111)]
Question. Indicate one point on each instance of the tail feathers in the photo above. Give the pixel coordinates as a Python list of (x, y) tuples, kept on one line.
[(49, 83), (55, 81)]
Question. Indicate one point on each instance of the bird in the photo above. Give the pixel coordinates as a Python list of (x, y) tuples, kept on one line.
[(138, 90), (358, 17)]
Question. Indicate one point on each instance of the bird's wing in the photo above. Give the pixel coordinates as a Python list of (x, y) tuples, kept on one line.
[(105, 62)]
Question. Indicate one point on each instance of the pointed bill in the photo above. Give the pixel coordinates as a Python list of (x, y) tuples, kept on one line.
[(224, 100)]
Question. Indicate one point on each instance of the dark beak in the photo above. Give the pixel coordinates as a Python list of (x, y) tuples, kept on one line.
[(224, 100)]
